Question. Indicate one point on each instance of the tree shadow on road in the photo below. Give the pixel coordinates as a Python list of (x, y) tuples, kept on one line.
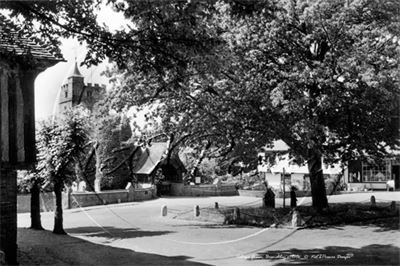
[(381, 224), (114, 232), (45, 248), (335, 255)]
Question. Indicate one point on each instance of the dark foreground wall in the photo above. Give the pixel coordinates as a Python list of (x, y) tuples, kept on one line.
[(8, 215)]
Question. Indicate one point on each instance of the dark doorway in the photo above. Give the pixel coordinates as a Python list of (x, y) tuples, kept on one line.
[(396, 176)]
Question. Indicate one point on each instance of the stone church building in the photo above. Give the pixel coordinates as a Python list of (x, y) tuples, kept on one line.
[(74, 91)]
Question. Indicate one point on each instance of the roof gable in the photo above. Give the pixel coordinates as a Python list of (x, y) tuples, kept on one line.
[(276, 145), (150, 158)]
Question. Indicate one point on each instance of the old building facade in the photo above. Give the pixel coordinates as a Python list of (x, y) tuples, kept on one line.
[(367, 175), (21, 60)]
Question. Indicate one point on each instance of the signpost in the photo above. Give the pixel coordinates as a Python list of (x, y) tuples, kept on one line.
[(283, 182), (286, 180)]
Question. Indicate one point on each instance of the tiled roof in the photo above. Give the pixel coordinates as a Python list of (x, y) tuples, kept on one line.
[(13, 40), (277, 145), (150, 158)]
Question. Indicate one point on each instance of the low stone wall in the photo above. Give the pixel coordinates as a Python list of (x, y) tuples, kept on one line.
[(252, 193), (23, 203), (85, 199), (366, 186), (47, 202), (278, 194), (179, 189)]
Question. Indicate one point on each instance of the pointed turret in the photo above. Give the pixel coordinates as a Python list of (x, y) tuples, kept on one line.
[(71, 88), (74, 91), (73, 73)]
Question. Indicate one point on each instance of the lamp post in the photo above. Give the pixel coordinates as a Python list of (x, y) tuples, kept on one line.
[(283, 182)]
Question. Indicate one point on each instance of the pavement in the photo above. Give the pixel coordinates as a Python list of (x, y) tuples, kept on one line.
[(136, 234)]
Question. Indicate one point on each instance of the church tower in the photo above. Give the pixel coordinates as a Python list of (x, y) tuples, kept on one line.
[(72, 85), (74, 91)]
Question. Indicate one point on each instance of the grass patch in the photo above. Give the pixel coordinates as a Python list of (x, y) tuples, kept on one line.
[(337, 214)]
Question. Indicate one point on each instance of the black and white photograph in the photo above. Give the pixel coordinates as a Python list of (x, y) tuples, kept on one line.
[(200, 132)]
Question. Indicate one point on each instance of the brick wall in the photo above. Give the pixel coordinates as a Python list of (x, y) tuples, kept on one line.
[(84, 199), (178, 189)]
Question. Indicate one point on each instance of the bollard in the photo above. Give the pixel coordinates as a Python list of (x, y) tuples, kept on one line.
[(236, 214), (196, 211), (216, 205), (296, 219), (373, 202), (164, 210)]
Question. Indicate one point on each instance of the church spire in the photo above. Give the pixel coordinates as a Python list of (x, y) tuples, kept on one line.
[(74, 72)]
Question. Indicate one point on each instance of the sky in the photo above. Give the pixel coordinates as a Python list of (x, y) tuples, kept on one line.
[(48, 83)]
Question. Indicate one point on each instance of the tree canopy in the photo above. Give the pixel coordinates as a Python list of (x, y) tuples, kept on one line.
[(321, 75)]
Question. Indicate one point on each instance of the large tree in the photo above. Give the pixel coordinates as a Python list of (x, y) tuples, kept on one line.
[(321, 75), (60, 145)]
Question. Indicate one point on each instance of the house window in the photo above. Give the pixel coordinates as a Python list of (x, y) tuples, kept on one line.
[(66, 94), (376, 173)]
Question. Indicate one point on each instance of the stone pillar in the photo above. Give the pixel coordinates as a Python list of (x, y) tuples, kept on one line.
[(8, 214), (164, 210)]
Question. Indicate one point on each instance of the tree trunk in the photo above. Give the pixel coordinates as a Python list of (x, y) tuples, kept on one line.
[(58, 214), (202, 155), (79, 171), (131, 173), (99, 173), (318, 192), (35, 206)]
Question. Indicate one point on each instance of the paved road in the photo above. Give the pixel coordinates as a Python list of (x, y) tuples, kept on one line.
[(139, 226)]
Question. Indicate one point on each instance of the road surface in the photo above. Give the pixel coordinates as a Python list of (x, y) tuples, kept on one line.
[(139, 227)]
